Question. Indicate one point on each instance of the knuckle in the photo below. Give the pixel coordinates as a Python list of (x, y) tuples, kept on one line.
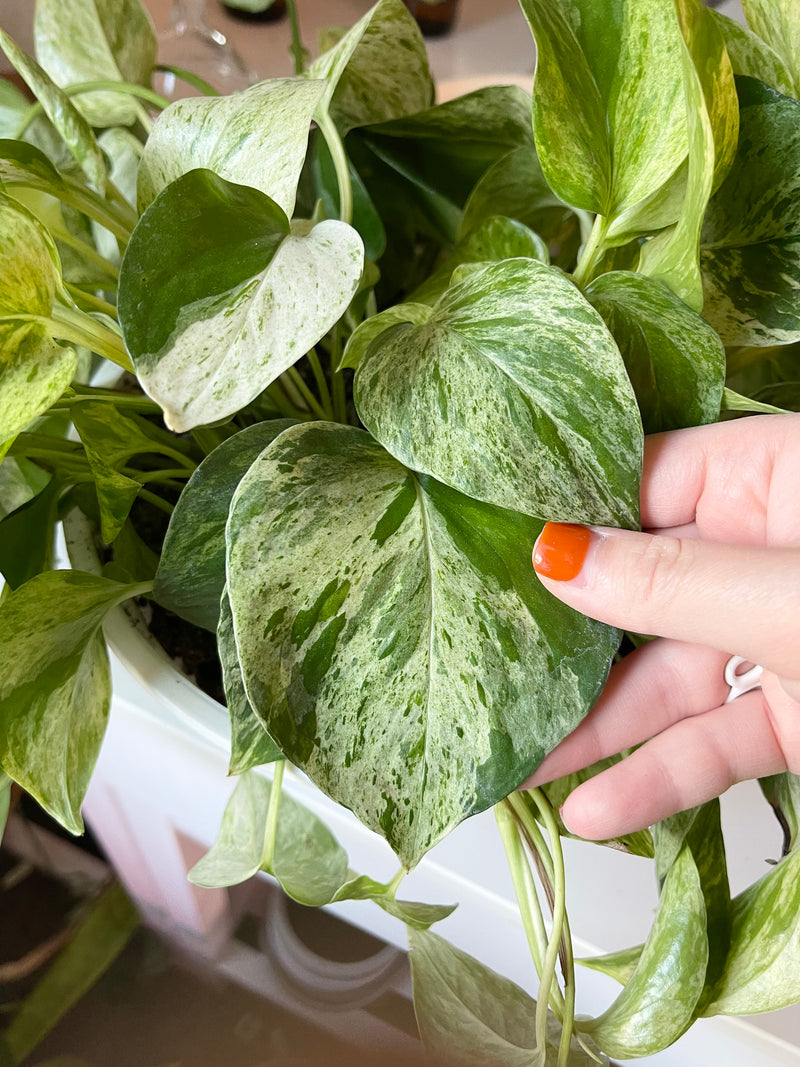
[(663, 566)]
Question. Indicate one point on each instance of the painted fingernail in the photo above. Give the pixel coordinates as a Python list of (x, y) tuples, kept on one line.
[(560, 550)]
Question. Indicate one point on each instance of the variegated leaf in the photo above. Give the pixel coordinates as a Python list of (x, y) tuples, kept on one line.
[(512, 392), (96, 40), (621, 966), (34, 370), (217, 298), (251, 745), (55, 686), (777, 23), (393, 638), (658, 1002), (762, 968), (750, 245), (674, 359), (257, 137), (377, 71), (65, 117), (753, 57), (191, 571)]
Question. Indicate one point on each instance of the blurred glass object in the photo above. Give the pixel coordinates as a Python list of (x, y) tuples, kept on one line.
[(190, 45)]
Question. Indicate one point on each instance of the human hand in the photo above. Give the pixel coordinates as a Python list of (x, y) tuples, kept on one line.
[(717, 573)]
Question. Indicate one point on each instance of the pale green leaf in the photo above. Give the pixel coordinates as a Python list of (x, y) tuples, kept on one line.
[(777, 23), (257, 137), (751, 234), (217, 298), (55, 686), (13, 105), (73, 127), (251, 745), (361, 338), (621, 965), (5, 801), (471, 1016), (751, 56), (512, 392), (415, 915), (658, 1002), (376, 71), (308, 861), (191, 572), (96, 40), (34, 369), (762, 969), (392, 635), (675, 360)]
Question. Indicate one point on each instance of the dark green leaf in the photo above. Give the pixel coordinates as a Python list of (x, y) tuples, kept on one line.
[(512, 392), (471, 1016), (657, 1004), (675, 360), (251, 745), (365, 216), (94, 40), (394, 640), (27, 535), (217, 297), (191, 573), (751, 234), (55, 687)]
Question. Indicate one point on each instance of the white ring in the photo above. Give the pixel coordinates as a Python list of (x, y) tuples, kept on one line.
[(741, 683)]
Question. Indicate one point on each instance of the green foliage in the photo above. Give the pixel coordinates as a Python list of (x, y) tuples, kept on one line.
[(389, 339)]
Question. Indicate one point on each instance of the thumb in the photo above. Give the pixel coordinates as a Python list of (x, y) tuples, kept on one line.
[(741, 600)]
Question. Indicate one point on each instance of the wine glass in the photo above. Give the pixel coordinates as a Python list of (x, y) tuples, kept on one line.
[(193, 46)]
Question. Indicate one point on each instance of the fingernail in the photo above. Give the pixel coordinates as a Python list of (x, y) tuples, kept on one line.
[(560, 550)]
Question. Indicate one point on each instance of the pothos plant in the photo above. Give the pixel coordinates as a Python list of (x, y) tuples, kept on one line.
[(367, 345)]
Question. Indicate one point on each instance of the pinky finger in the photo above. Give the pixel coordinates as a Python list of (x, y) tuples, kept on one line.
[(689, 763)]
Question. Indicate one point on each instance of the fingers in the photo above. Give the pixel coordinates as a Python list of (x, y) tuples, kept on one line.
[(649, 691), (688, 764), (721, 477), (745, 601)]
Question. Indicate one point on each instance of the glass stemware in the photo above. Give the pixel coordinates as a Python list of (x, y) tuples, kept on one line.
[(193, 46)]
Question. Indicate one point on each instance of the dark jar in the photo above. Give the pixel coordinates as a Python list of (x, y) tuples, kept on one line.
[(434, 18), (272, 13)]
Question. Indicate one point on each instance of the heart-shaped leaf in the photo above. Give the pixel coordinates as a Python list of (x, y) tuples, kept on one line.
[(34, 369), (751, 56), (55, 686), (393, 638), (96, 40), (512, 392), (217, 298), (777, 24), (257, 137), (675, 360)]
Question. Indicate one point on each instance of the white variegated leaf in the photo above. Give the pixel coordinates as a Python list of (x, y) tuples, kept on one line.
[(393, 638), (257, 137), (513, 392)]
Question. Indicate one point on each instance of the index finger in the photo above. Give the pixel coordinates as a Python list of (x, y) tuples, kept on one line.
[(719, 477)]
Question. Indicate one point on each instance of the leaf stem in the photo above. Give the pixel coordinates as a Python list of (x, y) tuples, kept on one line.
[(337, 379), (592, 251), (297, 51), (322, 384), (328, 130), (70, 324), (85, 250), (187, 76), (95, 303), (157, 501), (271, 829), (394, 885), (277, 394)]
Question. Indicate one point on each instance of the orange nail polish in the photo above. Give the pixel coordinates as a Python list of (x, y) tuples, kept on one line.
[(561, 550)]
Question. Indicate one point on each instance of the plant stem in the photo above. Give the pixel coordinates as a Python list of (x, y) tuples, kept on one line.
[(89, 392), (157, 501), (394, 885), (95, 303), (172, 478), (94, 335), (337, 379), (277, 395), (187, 76), (297, 380), (87, 252), (271, 828), (592, 251), (322, 384), (105, 86), (336, 148), (297, 51)]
